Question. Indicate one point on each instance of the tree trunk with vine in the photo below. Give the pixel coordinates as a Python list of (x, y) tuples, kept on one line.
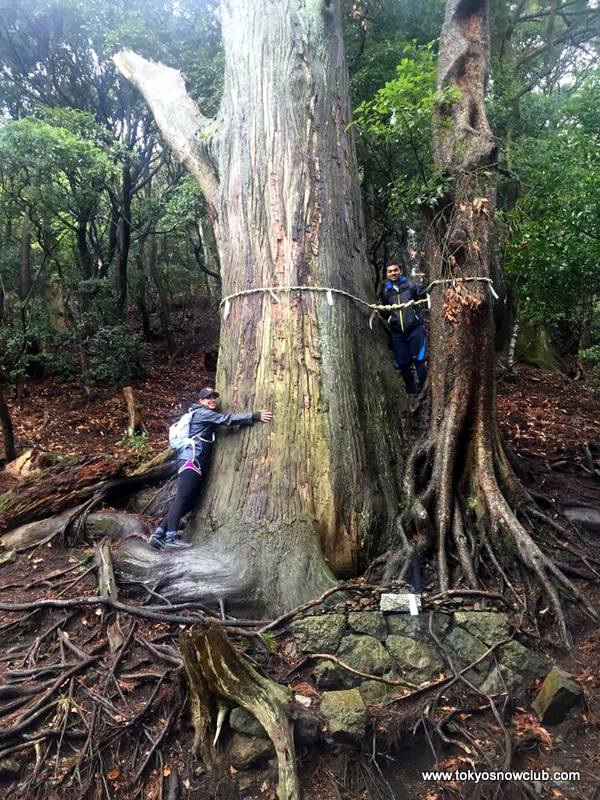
[(464, 501)]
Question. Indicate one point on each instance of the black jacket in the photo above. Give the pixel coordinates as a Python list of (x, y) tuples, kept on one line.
[(403, 291), (202, 431)]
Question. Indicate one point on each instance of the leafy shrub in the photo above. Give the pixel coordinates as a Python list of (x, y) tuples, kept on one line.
[(591, 356), (112, 354)]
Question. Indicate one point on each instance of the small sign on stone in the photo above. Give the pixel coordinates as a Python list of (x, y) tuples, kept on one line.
[(403, 602)]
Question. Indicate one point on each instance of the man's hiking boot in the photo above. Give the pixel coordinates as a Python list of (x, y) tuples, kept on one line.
[(175, 543), (157, 540)]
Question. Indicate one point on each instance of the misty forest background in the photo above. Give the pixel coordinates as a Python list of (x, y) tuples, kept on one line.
[(104, 239)]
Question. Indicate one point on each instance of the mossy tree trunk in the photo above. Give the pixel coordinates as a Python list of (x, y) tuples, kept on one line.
[(464, 501), (278, 169)]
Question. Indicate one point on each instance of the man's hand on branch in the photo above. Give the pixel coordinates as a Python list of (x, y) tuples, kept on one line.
[(266, 416)]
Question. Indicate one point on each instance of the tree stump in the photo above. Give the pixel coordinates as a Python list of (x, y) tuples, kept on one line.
[(135, 425), (215, 670)]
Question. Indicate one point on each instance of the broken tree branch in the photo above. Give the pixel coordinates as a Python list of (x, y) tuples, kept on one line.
[(181, 123)]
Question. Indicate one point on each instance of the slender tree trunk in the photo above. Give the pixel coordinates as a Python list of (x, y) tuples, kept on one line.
[(10, 452), (279, 175), (124, 240), (210, 256), (163, 300), (84, 256), (25, 259), (463, 496), (141, 290), (113, 228)]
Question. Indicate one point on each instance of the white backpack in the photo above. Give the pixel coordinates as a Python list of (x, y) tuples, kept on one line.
[(179, 432)]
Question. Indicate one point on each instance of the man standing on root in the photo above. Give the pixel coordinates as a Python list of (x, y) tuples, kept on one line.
[(406, 328), (193, 461)]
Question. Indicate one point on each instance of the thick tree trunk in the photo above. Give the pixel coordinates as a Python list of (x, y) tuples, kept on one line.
[(463, 494), (280, 178)]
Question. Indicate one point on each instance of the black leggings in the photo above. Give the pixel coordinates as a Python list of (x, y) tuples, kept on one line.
[(188, 490)]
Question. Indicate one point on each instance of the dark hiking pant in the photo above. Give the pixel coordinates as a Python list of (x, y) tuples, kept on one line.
[(409, 351), (188, 491)]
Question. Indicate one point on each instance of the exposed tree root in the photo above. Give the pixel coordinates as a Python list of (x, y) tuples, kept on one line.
[(239, 562), (216, 670), (465, 504)]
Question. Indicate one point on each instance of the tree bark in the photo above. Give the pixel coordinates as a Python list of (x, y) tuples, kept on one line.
[(163, 300), (141, 289), (25, 260), (279, 175), (124, 239), (84, 255), (463, 496), (135, 419), (210, 266), (10, 450), (215, 669)]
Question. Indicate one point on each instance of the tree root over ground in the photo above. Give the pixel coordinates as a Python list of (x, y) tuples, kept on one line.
[(216, 670), (466, 506), (88, 707), (81, 696), (257, 572)]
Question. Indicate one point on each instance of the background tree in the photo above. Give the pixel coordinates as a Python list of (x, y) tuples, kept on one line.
[(86, 184), (553, 238)]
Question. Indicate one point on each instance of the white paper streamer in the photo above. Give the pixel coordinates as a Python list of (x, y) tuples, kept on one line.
[(226, 310), (329, 297), (412, 605)]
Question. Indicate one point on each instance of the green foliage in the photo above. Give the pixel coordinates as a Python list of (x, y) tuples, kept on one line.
[(376, 31), (52, 169), (138, 445), (269, 641), (25, 324), (184, 205), (591, 356), (554, 231), (111, 354), (399, 118)]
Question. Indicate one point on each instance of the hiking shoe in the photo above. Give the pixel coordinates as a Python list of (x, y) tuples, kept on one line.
[(157, 540), (175, 543)]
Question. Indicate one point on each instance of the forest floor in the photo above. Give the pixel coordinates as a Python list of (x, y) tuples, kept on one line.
[(127, 717)]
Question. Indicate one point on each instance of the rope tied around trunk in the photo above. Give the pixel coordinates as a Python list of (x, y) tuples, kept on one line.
[(329, 291)]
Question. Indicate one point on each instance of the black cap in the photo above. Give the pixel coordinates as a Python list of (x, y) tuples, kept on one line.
[(207, 392)]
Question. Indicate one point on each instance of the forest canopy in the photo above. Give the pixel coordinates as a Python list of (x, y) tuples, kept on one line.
[(99, 224)]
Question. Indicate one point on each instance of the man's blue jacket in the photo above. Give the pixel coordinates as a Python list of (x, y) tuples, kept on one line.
[(402, 291)]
